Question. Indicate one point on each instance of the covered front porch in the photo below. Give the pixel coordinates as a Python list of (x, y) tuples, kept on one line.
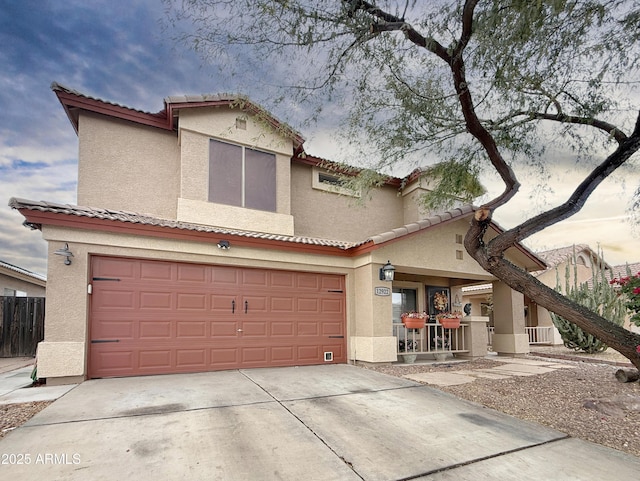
[(430, 270)]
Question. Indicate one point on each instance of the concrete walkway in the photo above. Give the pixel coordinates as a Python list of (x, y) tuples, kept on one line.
[(331, 422), (511, 367), (15, 383)]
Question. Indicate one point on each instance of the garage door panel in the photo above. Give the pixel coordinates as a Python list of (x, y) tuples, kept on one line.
[(282, 328), (225, 303), (193, 273), (153, 270), (307, 305), (110, 267), (116, 299), (155, 359), (194, 302), (154, 330), (254, 278), (173, 317), (191, 358), (224, 357), (282, 305), (308, 281), (331, 328), (331, 306), (308, 328), (331, 283), (282, 280), (252, 305), (224, 329), (308, 354), (156, 300), (252, 329), (114, 330), (254, 355), (191, 330), (224, 276), (122, 361)]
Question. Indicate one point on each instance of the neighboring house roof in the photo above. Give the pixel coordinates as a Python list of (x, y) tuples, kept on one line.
[(39, 213), (621, 270), (72, 101), (19, 272), (554, 257)]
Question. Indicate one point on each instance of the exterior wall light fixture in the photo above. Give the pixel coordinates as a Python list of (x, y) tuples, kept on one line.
[(64, 251), (224, 245), (387, 272)]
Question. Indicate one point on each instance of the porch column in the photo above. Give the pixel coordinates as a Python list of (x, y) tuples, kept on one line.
[(371, 333), (510, 337)]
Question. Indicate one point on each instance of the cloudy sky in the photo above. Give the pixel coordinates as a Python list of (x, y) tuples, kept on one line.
[(116, 50)]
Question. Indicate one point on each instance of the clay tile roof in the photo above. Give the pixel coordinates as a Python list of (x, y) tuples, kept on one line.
[(621, 270), (135, 218), (421, 225)]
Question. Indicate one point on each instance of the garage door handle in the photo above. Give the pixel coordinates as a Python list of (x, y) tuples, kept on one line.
[(99, 341), (246, 306), (233, 306)]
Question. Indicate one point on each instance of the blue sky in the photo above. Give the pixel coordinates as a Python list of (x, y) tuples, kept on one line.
[(116, 50)]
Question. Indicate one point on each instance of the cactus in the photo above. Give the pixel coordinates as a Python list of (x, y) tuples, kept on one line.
[(601, 298)]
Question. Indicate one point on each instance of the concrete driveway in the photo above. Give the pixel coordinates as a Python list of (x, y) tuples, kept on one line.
[(333, 422)]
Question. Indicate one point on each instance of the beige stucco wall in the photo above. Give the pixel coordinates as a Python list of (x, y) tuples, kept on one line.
[(329, 215), (433, 252), (197, 126), (127, 166)]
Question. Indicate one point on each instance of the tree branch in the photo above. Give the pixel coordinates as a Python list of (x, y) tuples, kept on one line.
[(574, 204)]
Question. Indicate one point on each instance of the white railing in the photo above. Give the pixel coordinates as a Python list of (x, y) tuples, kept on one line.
[(540, 335), (430, 339), (537, 334)]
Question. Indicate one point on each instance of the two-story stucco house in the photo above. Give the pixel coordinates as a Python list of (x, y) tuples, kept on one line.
[(205, 238)]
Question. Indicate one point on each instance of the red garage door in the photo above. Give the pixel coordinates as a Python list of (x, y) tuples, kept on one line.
[(155, 317)]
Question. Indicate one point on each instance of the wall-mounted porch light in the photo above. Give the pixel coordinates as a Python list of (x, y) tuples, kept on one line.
[(224, 245), (387, 271), (64, 251)]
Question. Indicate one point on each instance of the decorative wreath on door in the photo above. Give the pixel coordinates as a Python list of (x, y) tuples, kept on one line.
[(441, 301)]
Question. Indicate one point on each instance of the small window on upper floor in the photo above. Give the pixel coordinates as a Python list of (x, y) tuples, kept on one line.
[(242, 176), (330, 182), (458, 238)]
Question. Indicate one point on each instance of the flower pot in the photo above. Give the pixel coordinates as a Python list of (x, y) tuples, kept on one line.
[(440, 356), (450, 323), (409, 358), (413, 322)]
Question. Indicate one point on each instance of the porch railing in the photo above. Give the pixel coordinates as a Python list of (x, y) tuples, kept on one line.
[(540, 335), (536, 334), (431, 339)]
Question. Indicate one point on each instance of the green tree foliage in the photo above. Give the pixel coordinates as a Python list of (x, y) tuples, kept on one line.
[(600, 298)]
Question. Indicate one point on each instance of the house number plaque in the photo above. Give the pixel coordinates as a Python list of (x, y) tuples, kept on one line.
[(382, 291)]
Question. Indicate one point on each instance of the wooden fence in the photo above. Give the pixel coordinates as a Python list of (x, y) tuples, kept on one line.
[(21, 325)]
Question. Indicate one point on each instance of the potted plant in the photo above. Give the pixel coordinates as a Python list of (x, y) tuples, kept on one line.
[(449, 320), (413, 320), (441, 344)]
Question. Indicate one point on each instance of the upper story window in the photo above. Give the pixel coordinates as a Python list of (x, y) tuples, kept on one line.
[(323, 180), (242, 176)]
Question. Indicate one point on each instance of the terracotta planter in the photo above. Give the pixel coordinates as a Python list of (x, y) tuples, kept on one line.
[(413, 322), (453, 323)]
